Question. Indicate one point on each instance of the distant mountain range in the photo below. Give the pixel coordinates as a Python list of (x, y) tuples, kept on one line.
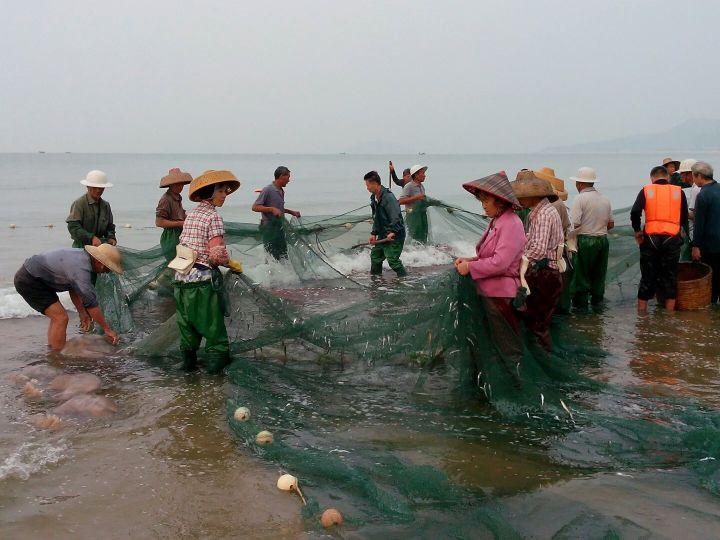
[(699, 134)]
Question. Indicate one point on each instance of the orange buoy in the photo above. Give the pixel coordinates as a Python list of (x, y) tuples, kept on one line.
[(331, 517)]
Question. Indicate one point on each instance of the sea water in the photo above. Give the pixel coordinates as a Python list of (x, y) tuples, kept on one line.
[(166, 465)]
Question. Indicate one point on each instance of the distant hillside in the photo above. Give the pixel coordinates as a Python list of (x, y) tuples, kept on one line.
[(690, 135)]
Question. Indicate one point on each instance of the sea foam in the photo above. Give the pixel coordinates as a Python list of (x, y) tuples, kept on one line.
[(13, 306), (30, 458)]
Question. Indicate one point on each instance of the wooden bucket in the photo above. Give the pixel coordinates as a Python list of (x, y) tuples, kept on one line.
[(694, 286)]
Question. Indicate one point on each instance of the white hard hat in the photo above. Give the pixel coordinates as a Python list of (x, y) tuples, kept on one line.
[(586, 175), (96, 179), (686, 165), (416, 168)]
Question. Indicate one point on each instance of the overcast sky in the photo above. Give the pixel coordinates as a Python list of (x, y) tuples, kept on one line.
[(332, 76)]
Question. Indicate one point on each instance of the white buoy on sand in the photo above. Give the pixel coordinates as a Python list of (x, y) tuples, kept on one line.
[(12, 225), (287, 482), (242, 414), (128, 226), (264, 437)]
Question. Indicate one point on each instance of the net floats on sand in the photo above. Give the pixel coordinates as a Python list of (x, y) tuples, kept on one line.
[(331, 517), (264, 437), (242, 414), (287, 482)]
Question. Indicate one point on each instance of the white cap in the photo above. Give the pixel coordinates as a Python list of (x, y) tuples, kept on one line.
[(586, 175), (686, 165), (96, 179), (416, 168)]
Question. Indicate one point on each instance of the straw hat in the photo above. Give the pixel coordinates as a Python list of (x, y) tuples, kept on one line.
[(585, 175), (526, 184), (175, 176), (686, 165), (546, 173), (209, 178), (107, 255), (669, 160), (416, 168), (96, 179), (496, 185)]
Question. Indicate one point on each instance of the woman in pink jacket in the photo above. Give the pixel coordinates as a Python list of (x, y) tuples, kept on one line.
[(496, 266)]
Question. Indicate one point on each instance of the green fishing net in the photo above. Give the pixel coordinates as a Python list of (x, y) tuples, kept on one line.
[(373, 387)]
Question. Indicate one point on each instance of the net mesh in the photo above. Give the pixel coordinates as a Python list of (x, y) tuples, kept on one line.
[(366, 384)]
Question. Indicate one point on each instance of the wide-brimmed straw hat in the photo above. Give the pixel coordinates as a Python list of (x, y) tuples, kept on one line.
[(585, 175), (527, 184), (96, 179), (546, 173), (209, 178), (416, 168), (496, 185), (669, 160), (107, 255), (686, 165), (175, 176)]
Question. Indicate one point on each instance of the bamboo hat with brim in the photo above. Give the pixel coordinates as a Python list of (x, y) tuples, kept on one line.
[(175, 176), (97, 179), (107, 255), (209, 178), (496, 185), (669, 160), (546, 173), (527, 184)]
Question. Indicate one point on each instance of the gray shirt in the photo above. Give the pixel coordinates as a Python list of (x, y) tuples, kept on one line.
[(273, 196), (590, 213), (66, 269), (411, 189)]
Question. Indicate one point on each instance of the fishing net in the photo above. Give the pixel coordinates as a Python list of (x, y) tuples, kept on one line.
[(374, 389)]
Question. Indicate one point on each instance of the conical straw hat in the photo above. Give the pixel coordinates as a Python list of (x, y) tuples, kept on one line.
[(546, 173), (496, 185), (175, 176), (107, 255), (209, 178), (527, 184)]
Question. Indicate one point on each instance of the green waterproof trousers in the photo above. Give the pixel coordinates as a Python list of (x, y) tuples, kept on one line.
[(390, 251), (416, 222), (200, 315), (169, 241), (273, 237), (590, 270)]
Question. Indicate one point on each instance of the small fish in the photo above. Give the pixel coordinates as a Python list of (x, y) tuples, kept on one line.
[(709, 458), (567, 410), (542, 400)]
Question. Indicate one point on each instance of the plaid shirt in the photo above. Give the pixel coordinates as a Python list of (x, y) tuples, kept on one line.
[(201, 225), (545, 234)]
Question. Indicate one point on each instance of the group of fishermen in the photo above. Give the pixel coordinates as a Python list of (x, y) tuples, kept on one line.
[(534, 258)]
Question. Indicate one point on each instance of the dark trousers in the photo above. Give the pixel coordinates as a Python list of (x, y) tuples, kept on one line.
[(546, 286), (713, 261), (273, 236), (659, 257)]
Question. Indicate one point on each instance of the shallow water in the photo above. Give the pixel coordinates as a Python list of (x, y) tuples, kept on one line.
[(170, 464)]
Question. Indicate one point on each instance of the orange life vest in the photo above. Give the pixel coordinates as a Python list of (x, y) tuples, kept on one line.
[(662, 209)]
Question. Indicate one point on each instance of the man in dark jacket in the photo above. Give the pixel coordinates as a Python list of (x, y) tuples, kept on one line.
[(388, 231), (706, 236)]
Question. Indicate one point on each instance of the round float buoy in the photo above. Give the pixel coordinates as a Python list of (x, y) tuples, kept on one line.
[(242, 414), (50, 226), (12, 225), (287, 482), (128, 226), (264, 437), (331, 517)]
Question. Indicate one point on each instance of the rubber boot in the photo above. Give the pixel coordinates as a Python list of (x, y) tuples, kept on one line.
[(189, 360), (216, 362), (376, 269)]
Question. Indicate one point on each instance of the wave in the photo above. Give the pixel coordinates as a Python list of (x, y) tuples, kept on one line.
[(30, 458), (13, 306)]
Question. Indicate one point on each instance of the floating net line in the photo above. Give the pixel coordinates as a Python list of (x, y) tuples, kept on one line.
[(366, 385)]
